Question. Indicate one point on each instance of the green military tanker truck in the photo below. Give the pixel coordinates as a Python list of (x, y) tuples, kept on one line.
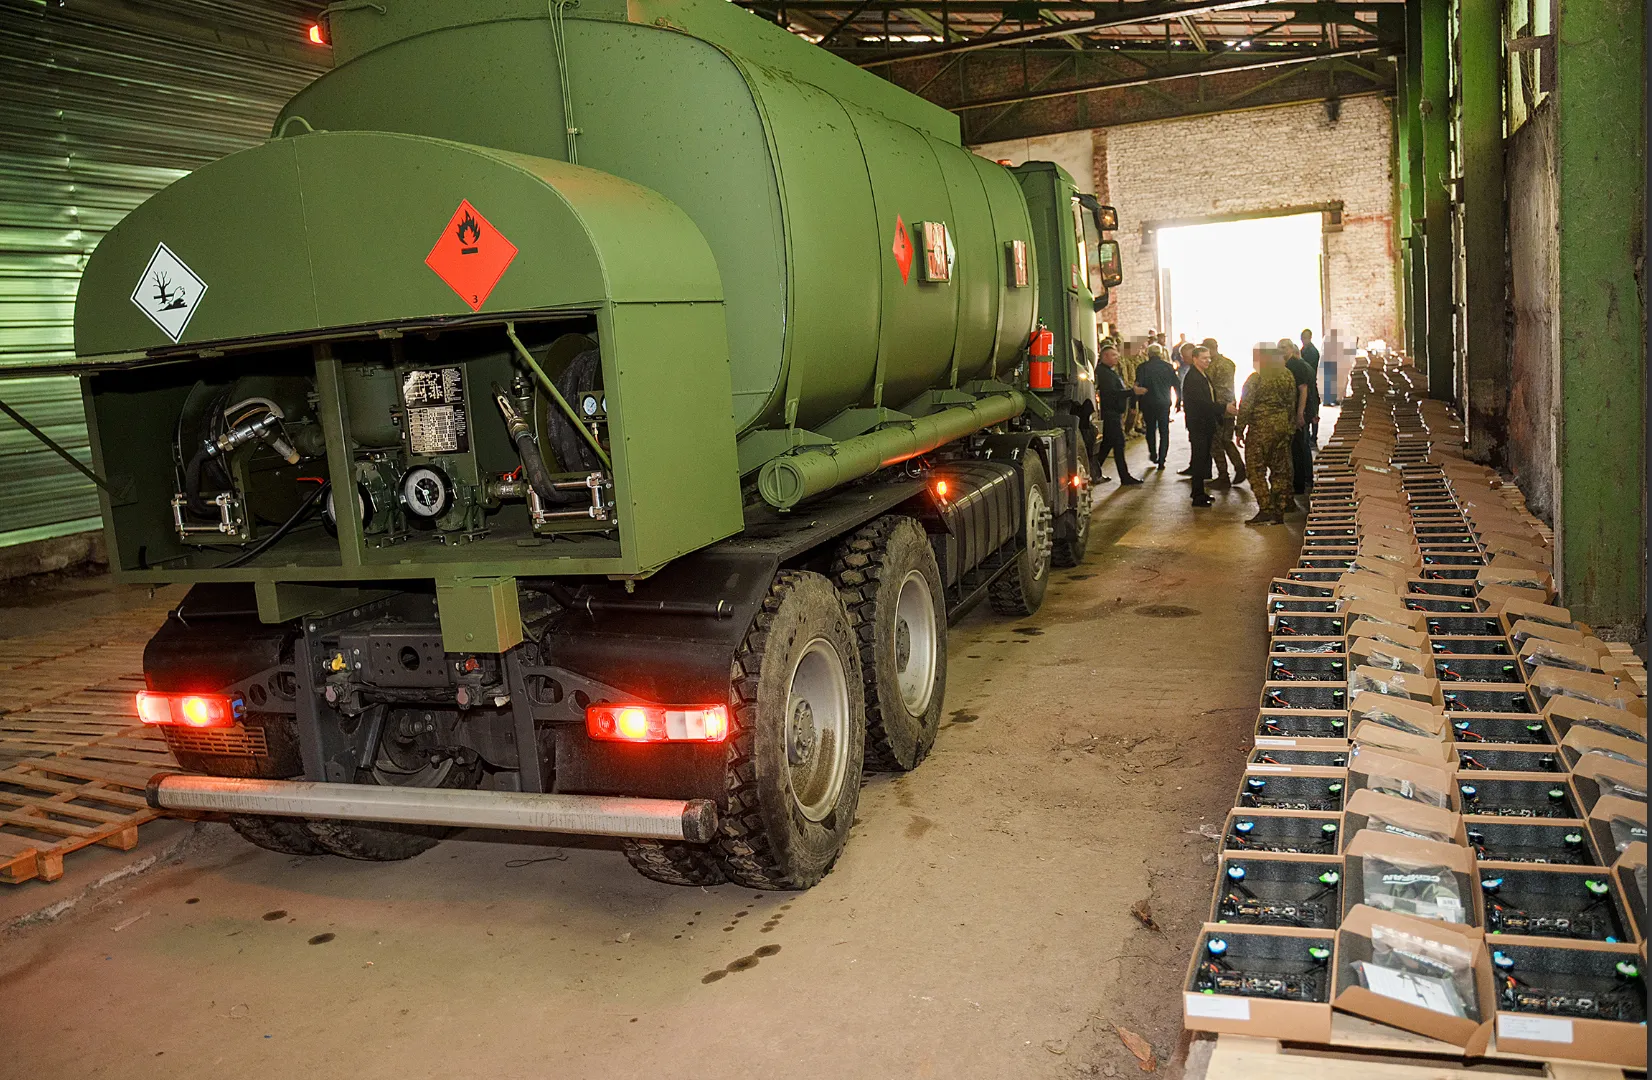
[(584, 418)]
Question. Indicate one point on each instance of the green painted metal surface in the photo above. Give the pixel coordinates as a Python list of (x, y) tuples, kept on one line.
[(1600, 524), (1434, 109), (802, 166), (1484, 218)]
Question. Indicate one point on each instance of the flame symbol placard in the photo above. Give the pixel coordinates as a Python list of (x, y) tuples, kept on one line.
[(468, 225)]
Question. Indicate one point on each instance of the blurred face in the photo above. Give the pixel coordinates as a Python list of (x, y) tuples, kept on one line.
[(1110, 356), (1201, 359)]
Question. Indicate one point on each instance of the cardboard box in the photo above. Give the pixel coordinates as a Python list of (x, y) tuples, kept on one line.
[(1496, 597), (1516, 610), (1542, 761), (1552, 965), (1279, 878), (1400, 684), (1564, 713), (1510, 891), (1401, 817), (1596, 776), (1531, 842), (1310, 696), (1526, 547), (1538, 652), (1386, 771), (1587, 740), (1549, 796), (1525, 630), (1291, 787), (1524, 579), (1299, 589), (1403, 855), (1419, 717), (1369, 652), (1255, 948), (1427, 748), (1300, 724), (1300, 832), (1355, 945), (1364, 585), (1615, 824), (1613, 692), (1503, 698), (1630, 873)]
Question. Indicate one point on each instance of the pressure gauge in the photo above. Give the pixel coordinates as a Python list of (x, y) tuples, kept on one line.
[(364, 507), (427, 492), (588, 405)]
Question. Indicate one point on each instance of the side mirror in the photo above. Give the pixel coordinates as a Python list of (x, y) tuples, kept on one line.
[(1107, 218), (1110, 262), (1100, 302)]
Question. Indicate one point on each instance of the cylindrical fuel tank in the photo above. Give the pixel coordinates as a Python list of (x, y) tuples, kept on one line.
[(811, 180)]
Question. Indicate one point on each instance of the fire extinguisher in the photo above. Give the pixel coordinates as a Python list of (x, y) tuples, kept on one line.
[(1041, 350)]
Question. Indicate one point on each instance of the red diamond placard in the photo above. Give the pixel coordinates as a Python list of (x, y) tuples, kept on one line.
[(902, 247), (471, 255)]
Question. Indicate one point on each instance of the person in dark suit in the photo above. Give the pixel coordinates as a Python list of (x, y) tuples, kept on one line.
[(1203, 416), (1115, 398)]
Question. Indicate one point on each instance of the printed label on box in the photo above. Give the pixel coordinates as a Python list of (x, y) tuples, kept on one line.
[(1538, 1028), (1214, 1007), (1267, 768), (1263, 740)]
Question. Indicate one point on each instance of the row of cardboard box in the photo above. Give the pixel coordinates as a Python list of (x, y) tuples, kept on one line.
[(1376, 542)]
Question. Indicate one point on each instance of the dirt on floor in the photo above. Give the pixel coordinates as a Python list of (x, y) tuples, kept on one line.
[(1020, 906)]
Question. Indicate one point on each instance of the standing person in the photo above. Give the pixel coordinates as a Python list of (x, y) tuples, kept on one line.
[(1302, 455), (1156, 386), (1115, 398), (1310, 356), (1129, 360), (1203, 414), (1221, 374), (1265, 421)]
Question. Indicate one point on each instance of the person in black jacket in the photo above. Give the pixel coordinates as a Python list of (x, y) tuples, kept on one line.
[(1115, 398), (1157, 386), (1203, 416)]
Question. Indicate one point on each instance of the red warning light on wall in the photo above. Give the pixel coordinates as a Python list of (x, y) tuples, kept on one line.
[(317, 37)]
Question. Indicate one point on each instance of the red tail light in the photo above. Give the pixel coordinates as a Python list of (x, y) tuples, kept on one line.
[(189, 710), (657, 723)]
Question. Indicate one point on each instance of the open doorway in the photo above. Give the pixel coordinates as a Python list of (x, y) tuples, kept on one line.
[(1242, 282)]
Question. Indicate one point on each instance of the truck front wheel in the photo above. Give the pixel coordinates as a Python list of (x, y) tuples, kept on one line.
[(797, 744), (1072, 529), (891, 586)]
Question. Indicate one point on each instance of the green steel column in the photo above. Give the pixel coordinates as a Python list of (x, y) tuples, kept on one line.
[(1434, 110), (1600, 168), (1416, 292), (1480, 131)]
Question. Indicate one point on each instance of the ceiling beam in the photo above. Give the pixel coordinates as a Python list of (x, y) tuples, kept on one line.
[(1205, 67), (1139, 13)]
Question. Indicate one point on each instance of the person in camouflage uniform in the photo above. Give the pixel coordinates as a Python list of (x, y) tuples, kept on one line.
[(1267, 420)]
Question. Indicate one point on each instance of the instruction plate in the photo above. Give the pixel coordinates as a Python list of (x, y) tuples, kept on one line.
[(436, 418)]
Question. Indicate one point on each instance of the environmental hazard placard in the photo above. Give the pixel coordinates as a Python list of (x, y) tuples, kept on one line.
[(168, 292), (471, 255)]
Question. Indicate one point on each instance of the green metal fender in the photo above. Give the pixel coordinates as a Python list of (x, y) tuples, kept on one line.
[(787, 481)]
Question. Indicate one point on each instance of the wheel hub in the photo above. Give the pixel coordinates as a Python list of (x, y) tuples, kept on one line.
[(804, 741), (916, 643)]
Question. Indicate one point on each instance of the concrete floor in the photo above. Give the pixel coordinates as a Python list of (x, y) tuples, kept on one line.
[(979, 924)]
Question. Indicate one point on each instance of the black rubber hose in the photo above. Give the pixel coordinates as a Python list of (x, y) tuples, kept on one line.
[(539, 477), (283, 529), (192, 485)]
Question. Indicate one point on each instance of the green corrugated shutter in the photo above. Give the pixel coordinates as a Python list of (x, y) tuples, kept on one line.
[(102, 103)]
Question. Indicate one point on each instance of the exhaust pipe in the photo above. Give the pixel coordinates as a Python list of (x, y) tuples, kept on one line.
[(694, 820)]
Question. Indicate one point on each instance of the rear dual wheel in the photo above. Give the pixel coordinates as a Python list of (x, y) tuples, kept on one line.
[(1020, 591)]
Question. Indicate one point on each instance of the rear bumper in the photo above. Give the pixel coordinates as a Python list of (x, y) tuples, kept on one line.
[(593, 815)]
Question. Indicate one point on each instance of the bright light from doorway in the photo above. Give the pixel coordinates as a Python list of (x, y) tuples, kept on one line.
[(1242, 282)]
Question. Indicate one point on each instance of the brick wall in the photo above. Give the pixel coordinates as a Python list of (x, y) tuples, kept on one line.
[(1241, 163)]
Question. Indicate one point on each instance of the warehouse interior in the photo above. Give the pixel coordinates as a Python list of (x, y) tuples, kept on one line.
[(1450, 194)]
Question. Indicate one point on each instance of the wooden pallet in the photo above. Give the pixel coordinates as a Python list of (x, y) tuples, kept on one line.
[(92, 794), (1362, 1050), (1627, 656)]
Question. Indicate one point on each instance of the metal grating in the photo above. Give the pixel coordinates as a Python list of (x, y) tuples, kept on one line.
[(234, 741), (102, 103)]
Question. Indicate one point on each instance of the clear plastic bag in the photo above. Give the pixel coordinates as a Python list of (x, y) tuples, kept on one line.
[(1626, 831), (1547, 653), (1428, 892), (1389, 720), (1407, 789), (1383, 655), (1382, 825), (1433, 975), (1400, 684)]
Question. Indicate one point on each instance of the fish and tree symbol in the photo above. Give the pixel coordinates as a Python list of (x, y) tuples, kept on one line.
[(170, 297)]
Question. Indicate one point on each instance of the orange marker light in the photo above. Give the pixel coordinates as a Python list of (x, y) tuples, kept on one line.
[(941, 488), (316, 36), (188, 710), (632, 724)]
